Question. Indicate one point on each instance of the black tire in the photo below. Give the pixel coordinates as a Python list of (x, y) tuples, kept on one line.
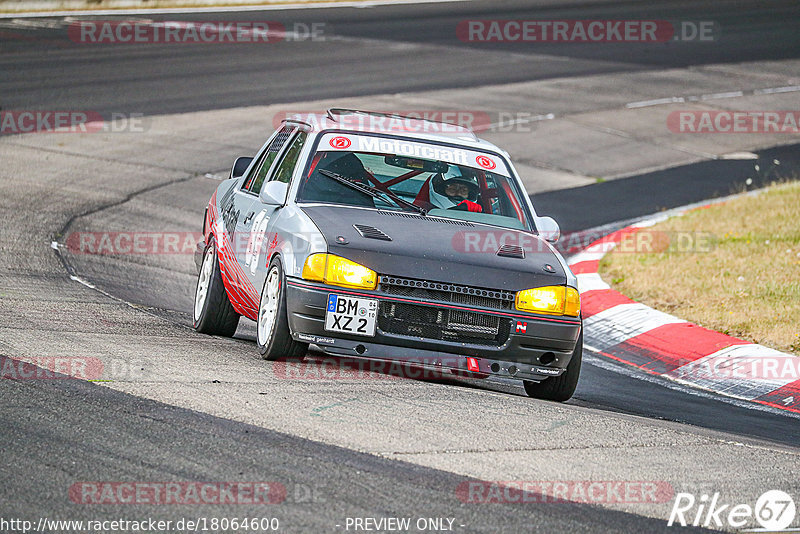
[(559, 388), (278, 345), (217, 316)]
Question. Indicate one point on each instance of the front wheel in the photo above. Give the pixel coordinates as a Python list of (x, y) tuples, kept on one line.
[(272, 332), (559, 388), (213, 313)]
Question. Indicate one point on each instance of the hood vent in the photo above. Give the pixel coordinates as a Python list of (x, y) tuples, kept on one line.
[(511, 251), (426, 218), (371, 232)]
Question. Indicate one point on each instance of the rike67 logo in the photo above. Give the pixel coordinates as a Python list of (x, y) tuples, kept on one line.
[(774, 511)]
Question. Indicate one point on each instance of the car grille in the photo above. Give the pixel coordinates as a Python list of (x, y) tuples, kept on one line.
[(450, 293), (442, 323)]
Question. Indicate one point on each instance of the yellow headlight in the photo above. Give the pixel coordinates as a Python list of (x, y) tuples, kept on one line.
[(551, 300), (338, 271)]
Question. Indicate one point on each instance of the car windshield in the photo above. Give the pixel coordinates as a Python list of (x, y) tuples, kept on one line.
[(440, 188)]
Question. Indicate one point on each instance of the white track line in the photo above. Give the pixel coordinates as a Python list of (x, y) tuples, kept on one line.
[(711, 96), (774, 90), (715, 96), (655, 102)]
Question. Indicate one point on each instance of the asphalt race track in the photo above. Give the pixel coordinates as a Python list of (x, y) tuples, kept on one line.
[(182, 407), (368, 51)]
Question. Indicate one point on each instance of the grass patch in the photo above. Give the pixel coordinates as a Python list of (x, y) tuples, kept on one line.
[(732, 267)]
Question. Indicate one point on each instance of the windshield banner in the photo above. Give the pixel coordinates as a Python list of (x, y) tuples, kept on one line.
[(414, 149)]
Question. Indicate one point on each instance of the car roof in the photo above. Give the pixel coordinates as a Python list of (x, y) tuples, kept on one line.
[(391, 123)]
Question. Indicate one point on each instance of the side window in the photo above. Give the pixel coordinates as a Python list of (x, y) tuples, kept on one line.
[(248, 182), (257, 178), (284, 171)]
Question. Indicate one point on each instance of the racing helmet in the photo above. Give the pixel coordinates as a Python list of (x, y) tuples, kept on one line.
[(448, 193)]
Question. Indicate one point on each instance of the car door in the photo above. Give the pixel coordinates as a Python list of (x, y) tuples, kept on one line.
[(257, 228), (242, 215)]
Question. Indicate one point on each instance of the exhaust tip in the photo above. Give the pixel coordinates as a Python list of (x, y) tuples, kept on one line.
[(547, 358)]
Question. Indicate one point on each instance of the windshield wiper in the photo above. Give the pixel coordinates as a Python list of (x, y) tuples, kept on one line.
[(374, 192)]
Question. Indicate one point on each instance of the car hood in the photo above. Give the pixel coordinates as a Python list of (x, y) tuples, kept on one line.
[(437, 249)]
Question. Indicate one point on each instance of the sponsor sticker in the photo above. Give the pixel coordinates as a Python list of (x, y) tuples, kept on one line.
[(415, 149), (485, 162), (340, 143)]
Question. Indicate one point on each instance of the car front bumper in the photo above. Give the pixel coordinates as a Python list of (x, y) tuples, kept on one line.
[(542, 350)]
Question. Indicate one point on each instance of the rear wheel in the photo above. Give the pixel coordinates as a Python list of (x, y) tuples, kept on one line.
[(559, 388), (213, 312), (272, 332)]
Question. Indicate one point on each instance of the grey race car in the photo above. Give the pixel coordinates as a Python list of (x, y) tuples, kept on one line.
[(389, 238)]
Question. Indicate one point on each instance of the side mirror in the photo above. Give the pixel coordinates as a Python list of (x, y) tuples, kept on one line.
[(274, 193), (239, 166), (548, 229)]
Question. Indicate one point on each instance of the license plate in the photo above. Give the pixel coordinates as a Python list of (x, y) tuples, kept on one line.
[(351, 315)]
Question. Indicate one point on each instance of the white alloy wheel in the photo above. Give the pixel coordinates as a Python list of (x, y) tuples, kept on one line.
[(203, 281), (268, 309)]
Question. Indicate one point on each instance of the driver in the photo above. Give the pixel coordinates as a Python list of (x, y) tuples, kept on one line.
[(454, 193)]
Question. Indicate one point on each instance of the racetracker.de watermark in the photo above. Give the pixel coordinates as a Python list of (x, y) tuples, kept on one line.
[(734, 122), (464, 241), (176, 493), (408, 120), (73, 367), (139, 242), (585, 31), (732, 367), (63, 121), (51, 368), (157, 243), (435, 121), (564, 491), (642, 242), (192, 32), (350, 369)]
